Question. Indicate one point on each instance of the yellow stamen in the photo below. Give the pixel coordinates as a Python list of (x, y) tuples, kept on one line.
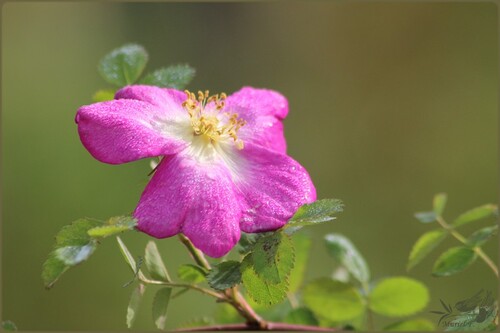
[(213, 124)]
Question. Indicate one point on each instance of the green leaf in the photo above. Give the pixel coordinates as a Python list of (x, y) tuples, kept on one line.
[(127, 255), (439, 203), (302, 244), (273, 257), (453, 261), (317, 212), (176, 76), (76, 233), (53, 268), (418, 324), (342, 249), (123, 65), (424, 245), (115, 225), (133, 305), (73, 255), (155, 264), (273, 313), (160, 306), (104, 95), (9, 325), (247, 242), (333, 300), (224, 275), (73, 246), (191, 273), (480, 237), (260, 290), (301, 316), (425, 217), (398, 296), (475, 214)]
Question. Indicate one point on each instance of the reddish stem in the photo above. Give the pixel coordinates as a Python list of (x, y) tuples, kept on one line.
[(269, 327)]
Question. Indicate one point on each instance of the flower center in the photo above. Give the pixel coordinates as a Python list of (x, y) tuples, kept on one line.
[(208, 119)]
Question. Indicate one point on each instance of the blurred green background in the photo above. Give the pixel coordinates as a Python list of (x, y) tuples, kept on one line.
[(390, 103)]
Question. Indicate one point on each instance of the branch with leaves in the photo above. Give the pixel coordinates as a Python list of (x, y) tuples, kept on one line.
[(271, 271), (458, 258)]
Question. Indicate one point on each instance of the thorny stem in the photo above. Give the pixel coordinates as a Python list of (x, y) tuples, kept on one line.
[(463, 240), (232, 295)]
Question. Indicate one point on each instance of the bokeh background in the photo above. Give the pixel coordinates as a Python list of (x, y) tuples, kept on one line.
[(390, 103)]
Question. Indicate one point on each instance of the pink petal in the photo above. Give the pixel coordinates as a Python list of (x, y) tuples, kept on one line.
[(167, 99), (274, 186), (196, 199), (259, 102), (263, 111), (126, 130)]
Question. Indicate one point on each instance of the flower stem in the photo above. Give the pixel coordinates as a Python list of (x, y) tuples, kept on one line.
[(463, 240), (196, 254), (245, 310), (232, 295)]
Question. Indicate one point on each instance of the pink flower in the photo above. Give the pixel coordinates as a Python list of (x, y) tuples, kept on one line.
[(224, 167)]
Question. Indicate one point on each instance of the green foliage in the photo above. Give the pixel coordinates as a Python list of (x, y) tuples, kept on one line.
[(333, 300), (175, 76), (75, 234), (301, 244), (424, 245), (129, 259), (76, 242), (8, 325), (114, 226), (133, 305), (124, 65), (317, 212), (398, 296), (480, 237), (348, 256), (475, 214), (191, 273), (73, 255), (154, 263), (439, 203), (301, 316), (426, 217), (160, 307), (418, 325), (73, 246), (103, 95), (273, 257), (247, 242), (261, 291), (224, 275), (453, 261)]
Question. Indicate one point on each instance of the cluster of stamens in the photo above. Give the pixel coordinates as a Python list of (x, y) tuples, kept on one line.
[(213, 124)]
